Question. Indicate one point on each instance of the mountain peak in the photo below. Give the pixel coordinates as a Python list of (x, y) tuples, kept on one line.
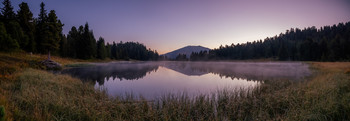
[(186, 50)]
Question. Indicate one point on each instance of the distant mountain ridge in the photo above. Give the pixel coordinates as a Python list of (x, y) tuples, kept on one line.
[(185, 50)]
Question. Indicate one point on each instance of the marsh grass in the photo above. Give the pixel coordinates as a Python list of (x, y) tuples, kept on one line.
[(32, 94)]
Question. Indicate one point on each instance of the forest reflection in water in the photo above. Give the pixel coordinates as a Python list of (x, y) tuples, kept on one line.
[(150, 79)]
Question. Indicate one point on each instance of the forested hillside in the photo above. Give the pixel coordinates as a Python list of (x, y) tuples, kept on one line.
[(329, 43), (20, 31)]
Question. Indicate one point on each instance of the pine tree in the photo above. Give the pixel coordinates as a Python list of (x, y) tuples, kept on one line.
[(43, 14), (282, 52), (42, 31), (108, 50), (55, 30), (101, 48), (87, 43), (72, 41), (14, 29), (6, 42), (7, 11), (114, 51), (12, 26), (64, 46), (25, 19)]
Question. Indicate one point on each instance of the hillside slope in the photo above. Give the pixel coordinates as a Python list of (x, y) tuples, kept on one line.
[(186, 50)]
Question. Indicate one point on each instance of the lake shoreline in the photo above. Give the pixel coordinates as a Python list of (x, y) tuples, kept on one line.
[(47, 97)]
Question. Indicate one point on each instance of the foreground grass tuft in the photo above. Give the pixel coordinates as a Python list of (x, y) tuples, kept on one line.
[(44, 96)]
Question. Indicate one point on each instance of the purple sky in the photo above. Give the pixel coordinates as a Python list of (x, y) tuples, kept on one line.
[(167, 25)]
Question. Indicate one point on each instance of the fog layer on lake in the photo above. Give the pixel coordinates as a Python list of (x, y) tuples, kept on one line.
[(153, 79)]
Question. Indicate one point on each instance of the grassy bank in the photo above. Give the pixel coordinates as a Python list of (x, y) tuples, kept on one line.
[(29, 93)]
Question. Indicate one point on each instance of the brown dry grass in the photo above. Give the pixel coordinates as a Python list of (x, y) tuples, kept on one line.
[(32, 94)]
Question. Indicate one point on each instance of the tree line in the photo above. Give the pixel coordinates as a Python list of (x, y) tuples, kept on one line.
[(81, 43), (21, 31), (329, 43)]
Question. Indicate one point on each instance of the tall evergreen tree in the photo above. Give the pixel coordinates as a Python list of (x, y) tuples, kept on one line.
[(43, 14), (80, 43), (282, 52), (42, 33), (114, 51), (7, 11), (55, 30), (49, 31), (26, 21), (15, 31), (12, 26), (87, 43), (6, 42), (72, 41), (64, 46), (108, 50), (101, 48)]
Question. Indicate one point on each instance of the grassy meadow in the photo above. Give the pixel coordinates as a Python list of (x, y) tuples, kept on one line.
[(28, 92)]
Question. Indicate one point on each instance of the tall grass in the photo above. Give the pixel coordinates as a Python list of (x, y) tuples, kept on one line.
[(39, 95), (32, 94)]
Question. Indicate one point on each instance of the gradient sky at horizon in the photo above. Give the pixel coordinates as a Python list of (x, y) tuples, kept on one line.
[(166, 25)]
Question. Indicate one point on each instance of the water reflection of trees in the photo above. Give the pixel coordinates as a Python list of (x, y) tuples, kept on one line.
[(243, 70), (120, 71), (234, 70)]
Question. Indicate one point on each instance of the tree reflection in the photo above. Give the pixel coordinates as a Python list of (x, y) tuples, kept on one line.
[(120, 71), (251, 71), (243, 70)]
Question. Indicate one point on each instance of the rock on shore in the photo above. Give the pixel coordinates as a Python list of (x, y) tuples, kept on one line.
[(51, 65)]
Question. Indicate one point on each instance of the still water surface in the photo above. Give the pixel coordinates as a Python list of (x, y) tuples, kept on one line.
[(154, 79)]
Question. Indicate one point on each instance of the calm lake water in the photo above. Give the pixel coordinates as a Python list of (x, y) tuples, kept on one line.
[(154, 79)]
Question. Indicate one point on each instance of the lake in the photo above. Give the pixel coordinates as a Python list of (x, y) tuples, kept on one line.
[(154, 79)]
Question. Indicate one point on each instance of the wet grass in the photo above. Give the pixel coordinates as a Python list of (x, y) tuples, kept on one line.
[(28, 93)]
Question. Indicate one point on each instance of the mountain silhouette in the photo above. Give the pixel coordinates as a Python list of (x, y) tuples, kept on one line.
[(185, 50)]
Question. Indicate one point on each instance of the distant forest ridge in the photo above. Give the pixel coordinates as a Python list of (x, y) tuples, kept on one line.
[(329, 43), (20, 31)]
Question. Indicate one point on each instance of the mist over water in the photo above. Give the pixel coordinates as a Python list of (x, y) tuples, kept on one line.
[(153, 79)]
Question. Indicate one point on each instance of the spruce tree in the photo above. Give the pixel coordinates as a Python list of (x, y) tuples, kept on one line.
[(12, 26), (6, 42), (72, 41), (114, 51), (101, 48), (25, 19), (64, 46), (55, 30), (42, 31), (7, 11), (108, 50)]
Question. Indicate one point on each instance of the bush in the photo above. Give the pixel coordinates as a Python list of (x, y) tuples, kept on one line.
[(2, 113)]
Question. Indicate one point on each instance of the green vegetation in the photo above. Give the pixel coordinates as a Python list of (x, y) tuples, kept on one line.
[(2, 113), (28, 93), (329, 43), (21, 32)]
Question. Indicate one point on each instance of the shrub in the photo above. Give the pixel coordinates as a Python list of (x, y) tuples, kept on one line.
[(2, 113)]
